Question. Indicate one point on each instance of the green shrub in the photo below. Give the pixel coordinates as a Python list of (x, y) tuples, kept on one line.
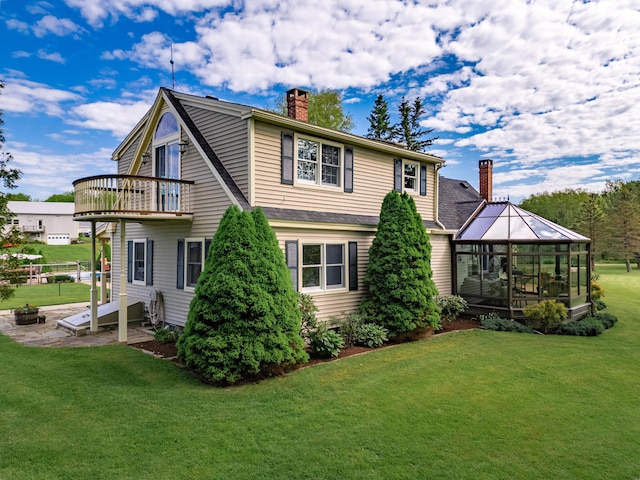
[(599, 305), (451, 306), (325, 343), (499, 324), (545, 314), (400, 288), (608, 320), (596, 291), (166, 335), (60, 279), (243, 321), (308, 310), (371, 335), (586, 327), (349, 328)]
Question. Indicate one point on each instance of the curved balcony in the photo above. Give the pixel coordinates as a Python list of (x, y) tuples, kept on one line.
[(118, 197)]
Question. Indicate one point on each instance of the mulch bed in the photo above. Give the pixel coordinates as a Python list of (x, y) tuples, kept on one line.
[(169, 351)]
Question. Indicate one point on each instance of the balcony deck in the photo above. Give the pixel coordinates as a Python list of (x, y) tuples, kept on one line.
[(131, 197)]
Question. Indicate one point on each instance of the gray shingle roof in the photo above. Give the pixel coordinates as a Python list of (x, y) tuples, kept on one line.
[(328, 217), (457, 200)]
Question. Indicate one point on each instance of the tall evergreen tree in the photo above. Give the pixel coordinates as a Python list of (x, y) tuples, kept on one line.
[(235, 327), (408, 130), (380, 126), (400, 288), (623, 214), (591, 222)]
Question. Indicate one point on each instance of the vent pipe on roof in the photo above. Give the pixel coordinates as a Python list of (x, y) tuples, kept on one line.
[(486, 179), (298, 104)]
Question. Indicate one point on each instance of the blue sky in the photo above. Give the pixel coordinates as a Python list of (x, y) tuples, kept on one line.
[(550, 90)]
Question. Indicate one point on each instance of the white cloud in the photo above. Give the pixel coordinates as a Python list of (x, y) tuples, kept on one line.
[(45, 173), (97, 11), (56, 26), (18, 25), (119, 117), (24, 96), (53, 57)]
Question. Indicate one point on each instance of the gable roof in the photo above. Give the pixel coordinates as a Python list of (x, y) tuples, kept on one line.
[(457, 201)]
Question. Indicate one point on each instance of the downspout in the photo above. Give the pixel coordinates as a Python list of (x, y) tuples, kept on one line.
[(122, 312), (436, 170)]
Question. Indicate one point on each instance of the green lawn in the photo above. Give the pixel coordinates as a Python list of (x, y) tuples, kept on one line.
[(61, 253), (469, 405), (48, 294)]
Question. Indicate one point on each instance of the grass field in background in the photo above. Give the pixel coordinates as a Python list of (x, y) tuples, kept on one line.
[(472, 404), (48, 294), (60, 253)]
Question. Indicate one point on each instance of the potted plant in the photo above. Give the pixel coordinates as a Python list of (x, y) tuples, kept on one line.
[(26, 315)]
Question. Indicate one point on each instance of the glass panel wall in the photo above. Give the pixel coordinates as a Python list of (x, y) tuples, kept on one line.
[(491, 274)]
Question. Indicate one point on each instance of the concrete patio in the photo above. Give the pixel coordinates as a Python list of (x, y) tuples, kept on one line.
[(48, 335)]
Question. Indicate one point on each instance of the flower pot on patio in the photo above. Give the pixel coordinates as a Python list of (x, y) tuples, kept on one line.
[(26, 315)]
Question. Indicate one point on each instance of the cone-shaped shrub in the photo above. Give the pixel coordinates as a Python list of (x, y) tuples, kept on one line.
[(236, 327), (400, 288)]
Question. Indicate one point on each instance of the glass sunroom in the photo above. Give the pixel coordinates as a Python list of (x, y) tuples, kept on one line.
[(506, 258)]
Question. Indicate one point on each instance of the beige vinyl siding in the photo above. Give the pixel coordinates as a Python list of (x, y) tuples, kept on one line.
[(209, 202), (441, 262), (127, 156), (228, 136), (373, 179), (332, 303)]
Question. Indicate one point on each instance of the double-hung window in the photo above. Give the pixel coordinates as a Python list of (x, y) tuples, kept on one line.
[(194, 261), (318, 162), (139, 261), (410, 176), (323, 266)]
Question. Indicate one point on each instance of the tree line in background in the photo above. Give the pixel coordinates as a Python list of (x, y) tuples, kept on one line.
[(611, 219)]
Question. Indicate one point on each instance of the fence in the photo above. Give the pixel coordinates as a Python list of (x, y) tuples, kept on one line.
[(53, 284)]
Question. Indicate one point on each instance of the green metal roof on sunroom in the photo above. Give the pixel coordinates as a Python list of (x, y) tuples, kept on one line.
[(506, 222)]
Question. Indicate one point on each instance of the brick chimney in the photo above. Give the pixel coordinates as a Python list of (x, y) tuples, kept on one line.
[(486, 179), (298, 104)]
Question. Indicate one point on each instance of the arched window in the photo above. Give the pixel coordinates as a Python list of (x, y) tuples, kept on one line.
[(166, 126)]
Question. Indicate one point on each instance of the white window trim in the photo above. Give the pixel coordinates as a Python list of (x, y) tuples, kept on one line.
[(135, 241), (318, 181), (323, 268), (417, 177), (187, 241)]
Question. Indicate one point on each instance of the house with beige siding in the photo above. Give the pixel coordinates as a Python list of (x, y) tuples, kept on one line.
[(189, 158)]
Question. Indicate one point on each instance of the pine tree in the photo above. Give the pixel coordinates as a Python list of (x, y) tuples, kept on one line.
[(408, 130), (590, 223), (380, 126), (235, 327), (400, 288)]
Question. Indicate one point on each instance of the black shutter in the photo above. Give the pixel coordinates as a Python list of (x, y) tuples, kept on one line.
[(397, 175), (148, 276), (291, 254), (207, 245), (129, 261), (348, 170), (353, 265), (423, 180), (180, 268), (287, 159)]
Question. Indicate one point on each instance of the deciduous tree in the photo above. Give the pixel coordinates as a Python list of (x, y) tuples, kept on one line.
[(325, 109), (8, 178)]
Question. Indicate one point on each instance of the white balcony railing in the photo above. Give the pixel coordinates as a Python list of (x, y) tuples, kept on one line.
[(127, 196)]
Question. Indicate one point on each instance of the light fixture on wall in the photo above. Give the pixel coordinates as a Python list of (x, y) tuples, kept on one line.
[(182, 146), (146, 156)]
